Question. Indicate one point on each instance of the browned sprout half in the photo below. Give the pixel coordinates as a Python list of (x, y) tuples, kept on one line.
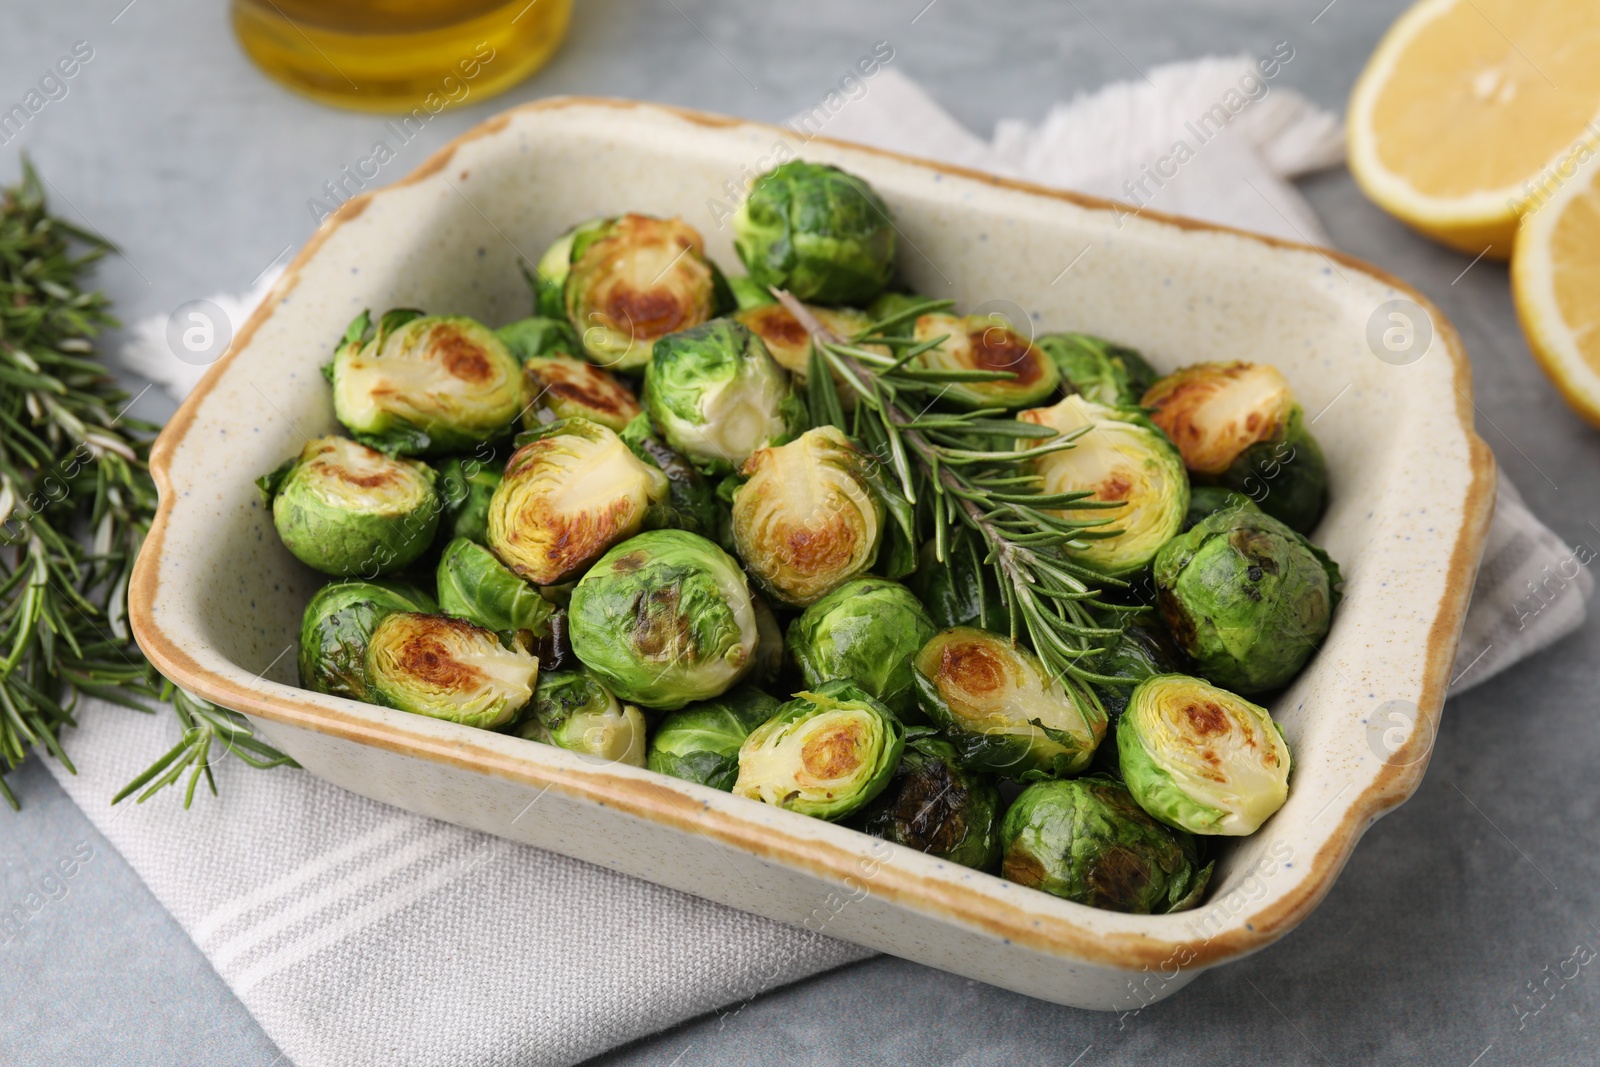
[(561, 387), (987, 343), (788, 340)]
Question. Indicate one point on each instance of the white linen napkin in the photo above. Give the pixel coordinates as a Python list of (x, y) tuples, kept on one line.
[(360, 935)]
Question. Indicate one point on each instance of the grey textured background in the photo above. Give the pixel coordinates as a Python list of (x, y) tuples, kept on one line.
[(1483, 883)]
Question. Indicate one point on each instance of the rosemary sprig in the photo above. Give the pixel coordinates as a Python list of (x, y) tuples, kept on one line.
[(967, 480), (76, 501)]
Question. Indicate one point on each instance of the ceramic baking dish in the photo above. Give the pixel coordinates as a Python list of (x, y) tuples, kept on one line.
[(216, 600)]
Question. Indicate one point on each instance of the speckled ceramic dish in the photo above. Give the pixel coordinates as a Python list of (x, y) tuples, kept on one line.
[(216, 600)]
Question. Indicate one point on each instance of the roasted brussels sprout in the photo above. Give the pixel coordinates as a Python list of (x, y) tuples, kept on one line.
[(987, 343), (347, 510), (466, 484), (995, 703), (1205, 500), (338, 624), (630, 280), (1238, 426), (867, 630), (448, 669), (935, 805), (1200, 758), (1087, 841), (664, 619), (717, 396), (572, 710), (1245, 597), (1121, 457), (475, 586), (826, 753), (959, 590), (700, 743), (550, 279), (1098, 370), (539, 336), (788, 341), (820, 233), (561, 387), (569, 493), (692, 503), (424, 384), (748, 293), (808, 518)]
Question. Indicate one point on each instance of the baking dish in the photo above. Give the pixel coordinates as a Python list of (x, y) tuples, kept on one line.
[(215, 599)]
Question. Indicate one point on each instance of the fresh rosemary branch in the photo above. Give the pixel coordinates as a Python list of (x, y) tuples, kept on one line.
[(948, 466), (76, 500)]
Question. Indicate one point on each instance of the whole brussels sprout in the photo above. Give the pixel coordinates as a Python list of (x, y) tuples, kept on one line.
[(1000, 709), (338, 624), (808, 517), (934, 805), (424, 384), (664, 619), (1098, 370), (1143, 651), (1238, 426), (1087, 841), (820, 233), (867, 630), (692, 503), (466, 484), (448, 669), (700, 743), (569, 493), (1245, 597), (475, 586), (1205, 500), (561, 387), (346, 509), (1200, 758), (631, 280), (787, 339), (986, 343), (1122, 456), (827, 753), (959, 590), (572, 710), (717, 396), (539, 336)]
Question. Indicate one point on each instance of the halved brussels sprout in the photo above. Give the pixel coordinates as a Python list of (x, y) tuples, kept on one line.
[(561, 387), (1200, 758), (867, 630), (424, 384), (448, 669), (1098, 370), (572, 710), (1001, 710), (808, 518), (701, 742), (934, 805), (475, 586), (1121, 457), (987, 343), (1245, 597), (346, 509), (1087, 841), (664, 619), (788, 341), (338, 624), (568, 494), (539, 336), (634, 279), (466, 484), (826, 753), (1238, 426), (692, 503), (717, 396), (550, 280), (820, 233)]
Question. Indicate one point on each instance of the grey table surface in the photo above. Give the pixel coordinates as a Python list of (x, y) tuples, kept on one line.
[(1451, 911)]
